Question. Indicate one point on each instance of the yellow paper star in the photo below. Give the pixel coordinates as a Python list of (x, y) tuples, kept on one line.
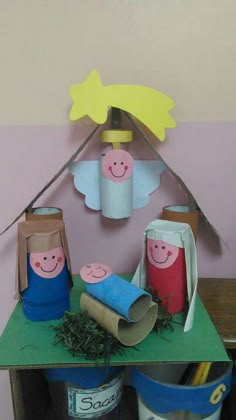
[(148, 105)]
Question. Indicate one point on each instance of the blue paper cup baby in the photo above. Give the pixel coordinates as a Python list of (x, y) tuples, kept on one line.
[(113, 291)]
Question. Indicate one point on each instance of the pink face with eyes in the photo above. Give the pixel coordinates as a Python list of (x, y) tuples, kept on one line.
[(94, 273), (161, 254), (48, 264), (117, 165)]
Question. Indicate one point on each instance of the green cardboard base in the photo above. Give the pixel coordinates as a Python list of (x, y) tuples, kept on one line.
[(26, 344)]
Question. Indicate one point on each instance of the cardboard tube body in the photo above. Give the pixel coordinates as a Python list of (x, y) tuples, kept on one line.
[(46, 299), (44, 275), (44, 213), (183, 215), (170, 283), (127, 333), (116, 198), (123, 297)]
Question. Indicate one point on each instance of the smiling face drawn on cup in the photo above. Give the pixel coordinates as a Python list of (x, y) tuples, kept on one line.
[(48, 264), (95, 272), (161, 254), (117, 165)]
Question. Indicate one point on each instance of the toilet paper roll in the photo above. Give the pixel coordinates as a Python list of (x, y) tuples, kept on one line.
[(44, 213), (123, 297), (127, 333)]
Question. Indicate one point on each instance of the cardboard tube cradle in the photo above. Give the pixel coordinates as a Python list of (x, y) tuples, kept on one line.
[(123, 297), (43, 213), (183, 215), (129, 334)]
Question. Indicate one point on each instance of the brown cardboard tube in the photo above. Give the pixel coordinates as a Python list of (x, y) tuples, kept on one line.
[(183, 215), (128, 333), (139, 307), (44, 213)]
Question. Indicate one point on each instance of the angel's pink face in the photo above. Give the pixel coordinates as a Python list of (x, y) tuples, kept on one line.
[(117, 165), (94, 273), (161, 254), (48, 264)]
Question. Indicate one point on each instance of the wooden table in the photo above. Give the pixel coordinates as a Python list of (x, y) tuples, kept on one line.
[(219, 298)]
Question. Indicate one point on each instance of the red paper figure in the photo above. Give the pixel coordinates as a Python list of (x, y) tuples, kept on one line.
[(166, 273)]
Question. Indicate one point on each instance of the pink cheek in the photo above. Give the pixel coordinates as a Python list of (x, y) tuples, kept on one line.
[(169, 253), (37, 264), (110, 168), (126, 167), (59, 259)]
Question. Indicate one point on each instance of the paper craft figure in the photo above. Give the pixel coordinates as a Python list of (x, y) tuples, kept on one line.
[(117, 184), (118, 294), (169, 265), (146, 104), (44, 274), (123, 309)]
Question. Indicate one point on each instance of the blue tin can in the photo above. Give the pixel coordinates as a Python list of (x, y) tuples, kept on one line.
[(159, 390)]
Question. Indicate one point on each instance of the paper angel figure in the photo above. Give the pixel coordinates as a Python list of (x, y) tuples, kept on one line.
[(117, 183), (169, 265), (44, 274)]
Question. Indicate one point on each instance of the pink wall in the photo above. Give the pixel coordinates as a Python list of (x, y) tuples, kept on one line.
[(202, 154), (31, 155)]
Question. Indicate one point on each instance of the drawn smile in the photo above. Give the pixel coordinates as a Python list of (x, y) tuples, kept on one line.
[(159, 262), (99, 277), (119, 176), (49, 271)]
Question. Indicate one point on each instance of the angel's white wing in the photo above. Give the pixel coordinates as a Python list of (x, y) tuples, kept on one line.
[(86, 180), (146, 179)]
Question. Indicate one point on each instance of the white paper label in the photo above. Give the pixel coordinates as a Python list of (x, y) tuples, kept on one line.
[(86, 403)]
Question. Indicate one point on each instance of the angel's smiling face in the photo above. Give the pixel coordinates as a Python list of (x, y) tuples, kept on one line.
[(95, 272), (48, 264), (117, 165), (161, 254)]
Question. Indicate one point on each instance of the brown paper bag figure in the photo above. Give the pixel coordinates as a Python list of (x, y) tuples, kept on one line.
[(43, 269)]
